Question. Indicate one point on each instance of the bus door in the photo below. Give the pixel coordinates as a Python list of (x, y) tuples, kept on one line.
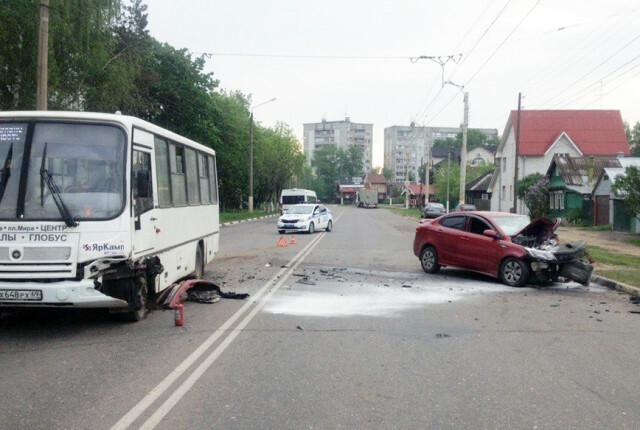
[(145, 215)]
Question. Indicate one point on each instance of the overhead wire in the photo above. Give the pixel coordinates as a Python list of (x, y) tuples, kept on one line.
[(464, 58), (419, 111), (503, 42), (565, 60), (492, 54), (592, 70)]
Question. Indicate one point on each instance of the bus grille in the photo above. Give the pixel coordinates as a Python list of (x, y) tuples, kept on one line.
[(36, 262)]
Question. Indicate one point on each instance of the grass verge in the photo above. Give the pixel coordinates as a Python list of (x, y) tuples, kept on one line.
[(411, 212), (635, 242), (228, 216), (615, 266)]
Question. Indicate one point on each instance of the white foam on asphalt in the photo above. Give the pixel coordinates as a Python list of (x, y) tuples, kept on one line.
[(326, 299), (368, 300)]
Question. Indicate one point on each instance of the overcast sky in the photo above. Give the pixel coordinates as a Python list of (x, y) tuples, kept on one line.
[(335, 58)]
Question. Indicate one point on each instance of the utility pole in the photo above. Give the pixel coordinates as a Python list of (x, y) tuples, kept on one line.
[(448, 176), (251, 162), (515, 169), (43, 56), (426, 167), (463, 155)]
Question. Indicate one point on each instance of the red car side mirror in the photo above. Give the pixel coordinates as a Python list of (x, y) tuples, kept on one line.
[(492, 234)]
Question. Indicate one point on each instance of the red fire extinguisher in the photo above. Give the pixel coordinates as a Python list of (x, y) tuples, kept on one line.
[(178, 314)]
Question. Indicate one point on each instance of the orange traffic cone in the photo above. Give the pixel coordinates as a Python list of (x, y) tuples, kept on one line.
[(293, 240), (282, 242)]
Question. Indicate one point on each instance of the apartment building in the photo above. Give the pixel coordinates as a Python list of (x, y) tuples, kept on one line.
[(406, 146), (342, 134)]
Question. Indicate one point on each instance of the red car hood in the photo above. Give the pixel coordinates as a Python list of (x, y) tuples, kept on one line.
[(540, 228)]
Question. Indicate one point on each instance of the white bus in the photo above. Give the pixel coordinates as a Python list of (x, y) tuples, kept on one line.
[(294, 196), (101, 210)]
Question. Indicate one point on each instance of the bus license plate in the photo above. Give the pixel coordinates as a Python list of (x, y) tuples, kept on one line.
[(24, 295)]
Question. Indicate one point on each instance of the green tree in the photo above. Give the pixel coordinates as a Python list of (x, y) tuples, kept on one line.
[(533, 191), (444, 174), (230, 139), (327, 162), (80, 44), (633, 135), (352, 164), (475, 138), (387, 173), (447, 175), (628, 186), (278, 158)]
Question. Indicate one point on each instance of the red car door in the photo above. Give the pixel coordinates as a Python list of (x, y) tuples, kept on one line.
[(447, 231), (479, 252)]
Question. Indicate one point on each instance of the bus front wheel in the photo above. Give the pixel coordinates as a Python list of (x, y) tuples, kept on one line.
[(138, 301)]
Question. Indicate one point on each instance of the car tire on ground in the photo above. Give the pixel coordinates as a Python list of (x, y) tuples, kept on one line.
[(514, 272), (329, 226), (312, 228), (429, 259), (281, 231)]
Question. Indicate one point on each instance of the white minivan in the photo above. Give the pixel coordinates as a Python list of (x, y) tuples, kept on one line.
[(296, 196)]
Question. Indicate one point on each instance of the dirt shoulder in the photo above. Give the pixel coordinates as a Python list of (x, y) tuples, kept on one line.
[(615, 241)]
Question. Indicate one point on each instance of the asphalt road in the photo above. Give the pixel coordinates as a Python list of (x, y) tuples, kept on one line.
[(342, 330)]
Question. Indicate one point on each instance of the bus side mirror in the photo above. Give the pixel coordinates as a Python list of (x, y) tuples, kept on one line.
[(144, 183)]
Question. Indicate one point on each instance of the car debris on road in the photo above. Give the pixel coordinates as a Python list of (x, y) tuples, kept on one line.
[(197, 290)]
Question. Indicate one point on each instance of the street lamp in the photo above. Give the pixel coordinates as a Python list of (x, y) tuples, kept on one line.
[(463, 155), (251, 153)]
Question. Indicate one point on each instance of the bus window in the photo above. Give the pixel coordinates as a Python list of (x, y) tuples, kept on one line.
[(12, 138), (203, 174), (192, 177), (141, 161), (178, 182), (162, 167), (213, 180), (86, 165)]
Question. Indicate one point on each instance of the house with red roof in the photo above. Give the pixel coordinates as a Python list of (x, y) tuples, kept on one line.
[(531, 144)]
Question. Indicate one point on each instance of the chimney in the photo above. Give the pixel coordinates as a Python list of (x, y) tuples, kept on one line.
[(620, 155)]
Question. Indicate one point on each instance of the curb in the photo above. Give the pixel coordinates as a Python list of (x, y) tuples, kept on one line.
[(248, 220), (614, 285)]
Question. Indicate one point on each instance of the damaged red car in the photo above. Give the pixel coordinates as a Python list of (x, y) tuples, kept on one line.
[(503, 245)]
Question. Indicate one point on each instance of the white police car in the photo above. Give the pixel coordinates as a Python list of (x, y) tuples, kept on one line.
[(306, 217)]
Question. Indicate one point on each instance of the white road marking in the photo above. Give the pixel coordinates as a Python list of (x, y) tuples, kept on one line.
[(163, 386)]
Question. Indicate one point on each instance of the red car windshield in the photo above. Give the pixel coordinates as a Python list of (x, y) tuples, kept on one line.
[(511, 224)]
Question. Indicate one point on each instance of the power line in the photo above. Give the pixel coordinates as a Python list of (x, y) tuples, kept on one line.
[(480, 38), (503, 42), (322, 57), (465, 56), (593, 69)]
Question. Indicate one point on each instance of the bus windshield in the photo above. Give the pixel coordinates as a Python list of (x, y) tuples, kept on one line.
[(85, 162)]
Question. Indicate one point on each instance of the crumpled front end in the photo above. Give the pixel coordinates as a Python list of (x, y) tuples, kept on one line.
[(549, 261)]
